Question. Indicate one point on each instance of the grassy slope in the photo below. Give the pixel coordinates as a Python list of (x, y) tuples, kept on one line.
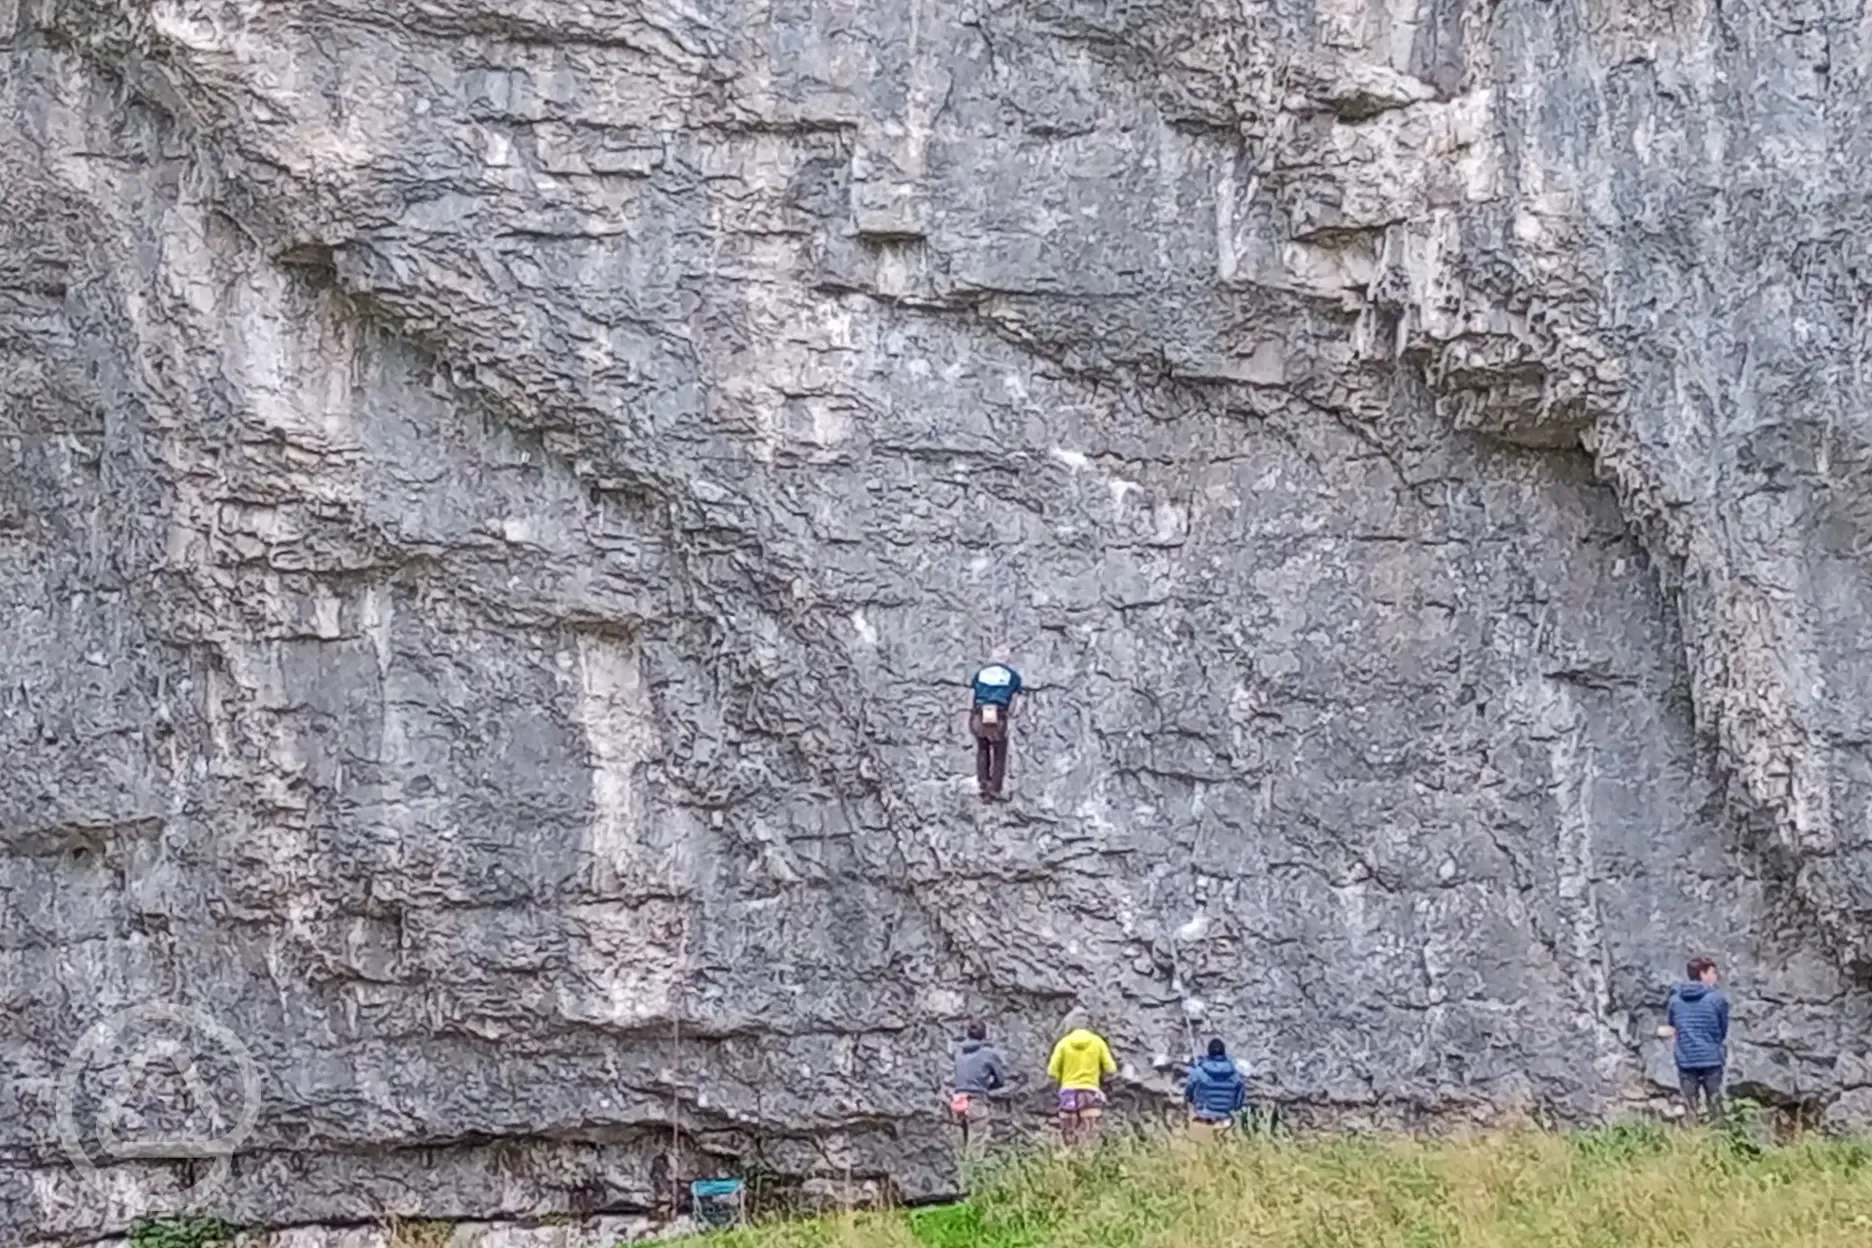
[(1621, 1187)]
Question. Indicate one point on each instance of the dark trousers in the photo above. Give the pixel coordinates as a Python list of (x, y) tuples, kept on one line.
[(1707, 1081), (991, 742)]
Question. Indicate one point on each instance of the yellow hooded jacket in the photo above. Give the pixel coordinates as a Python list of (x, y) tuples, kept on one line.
[(1078, 1060)]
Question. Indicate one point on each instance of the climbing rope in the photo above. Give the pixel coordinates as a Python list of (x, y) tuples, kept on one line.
[(677, 999), (1183, 989)]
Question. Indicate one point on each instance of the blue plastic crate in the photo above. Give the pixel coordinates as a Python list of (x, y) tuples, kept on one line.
[(718, 1202)]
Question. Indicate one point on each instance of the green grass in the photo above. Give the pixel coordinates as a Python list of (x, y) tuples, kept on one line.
[(1631, 1186), (180, 1232)]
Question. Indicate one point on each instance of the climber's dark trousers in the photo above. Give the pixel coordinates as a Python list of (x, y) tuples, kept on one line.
[(1709, 1082), (990, 751)]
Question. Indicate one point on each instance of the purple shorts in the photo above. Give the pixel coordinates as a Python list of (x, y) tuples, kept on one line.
[(1078, 1100)]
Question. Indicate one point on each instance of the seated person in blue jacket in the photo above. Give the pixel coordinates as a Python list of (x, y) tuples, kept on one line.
[(995, 687), (1215, 1090)]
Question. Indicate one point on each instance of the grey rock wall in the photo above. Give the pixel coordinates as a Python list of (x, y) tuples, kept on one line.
[(503, 499)]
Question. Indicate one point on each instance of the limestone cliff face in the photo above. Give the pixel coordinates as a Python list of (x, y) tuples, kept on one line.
[(502, 498)]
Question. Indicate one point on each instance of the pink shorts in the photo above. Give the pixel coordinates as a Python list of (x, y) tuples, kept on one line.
[(1078, 1100)]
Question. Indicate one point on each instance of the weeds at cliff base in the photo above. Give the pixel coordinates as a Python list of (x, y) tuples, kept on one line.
[(180, 1232), (1634, 1185)]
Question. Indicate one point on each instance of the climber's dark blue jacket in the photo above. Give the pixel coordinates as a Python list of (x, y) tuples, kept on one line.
[(1700, 1015), (996, 685), (1215, 1088)]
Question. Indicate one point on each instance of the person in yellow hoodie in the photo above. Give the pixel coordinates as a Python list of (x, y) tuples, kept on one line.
[(1079, 1064)]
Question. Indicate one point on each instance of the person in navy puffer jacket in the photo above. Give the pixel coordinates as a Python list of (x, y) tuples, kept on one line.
[(1698, 1021), (1215, 1090)]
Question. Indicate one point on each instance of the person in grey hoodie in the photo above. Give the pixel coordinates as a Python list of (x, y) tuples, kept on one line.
[(980, 1071), (1697, 1020)]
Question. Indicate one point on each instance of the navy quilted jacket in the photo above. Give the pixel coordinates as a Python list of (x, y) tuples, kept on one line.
[(1700, 1014), (1215, 1088)]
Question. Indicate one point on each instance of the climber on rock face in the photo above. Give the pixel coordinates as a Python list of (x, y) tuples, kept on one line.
[(995, 687), (980, 1071)]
